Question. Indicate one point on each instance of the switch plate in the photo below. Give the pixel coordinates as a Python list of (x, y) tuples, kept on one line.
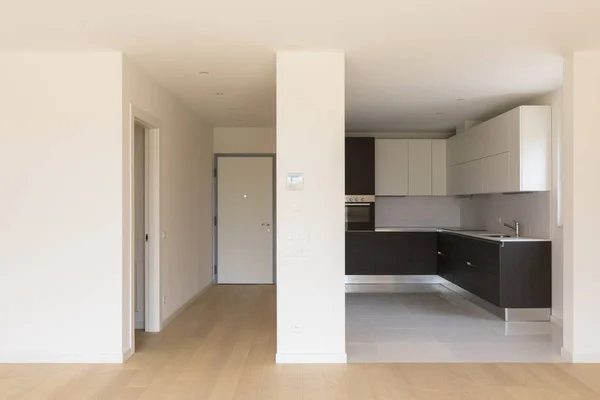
[(297, 245)]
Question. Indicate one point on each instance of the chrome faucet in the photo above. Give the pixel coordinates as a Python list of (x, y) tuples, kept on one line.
[(514, 227)]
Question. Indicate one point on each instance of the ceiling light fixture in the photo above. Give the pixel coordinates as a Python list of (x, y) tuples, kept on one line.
[(203, 73)]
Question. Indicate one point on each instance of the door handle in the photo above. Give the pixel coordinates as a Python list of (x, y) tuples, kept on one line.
[(266, 224), (471, 264), (440, 253)]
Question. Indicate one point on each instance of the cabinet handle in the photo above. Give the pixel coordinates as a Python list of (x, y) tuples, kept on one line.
[(471, 265), (440, 253)]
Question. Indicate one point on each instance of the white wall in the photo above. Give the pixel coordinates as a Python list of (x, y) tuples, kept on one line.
[(424, 212), (185, 191), (244, 140), (64, 222), (581, 124), (532, 210), (60, 209), (310, 140), (554, 99)]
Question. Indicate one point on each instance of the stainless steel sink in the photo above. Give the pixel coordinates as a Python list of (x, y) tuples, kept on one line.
[(495, 235)]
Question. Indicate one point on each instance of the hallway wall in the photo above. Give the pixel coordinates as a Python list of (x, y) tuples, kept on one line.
[(186, 160), (64, 210), (60, 208), (246, 140)]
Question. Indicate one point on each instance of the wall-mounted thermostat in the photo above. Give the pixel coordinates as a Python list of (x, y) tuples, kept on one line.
[(295, 181)]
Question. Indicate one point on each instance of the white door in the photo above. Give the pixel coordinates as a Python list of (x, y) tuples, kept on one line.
[(245, 220)]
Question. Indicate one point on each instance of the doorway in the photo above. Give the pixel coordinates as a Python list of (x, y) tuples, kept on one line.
[(140, 217), (144, 228), (245, 219)]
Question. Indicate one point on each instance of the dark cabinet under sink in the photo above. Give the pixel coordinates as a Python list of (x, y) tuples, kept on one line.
[(506, 274)]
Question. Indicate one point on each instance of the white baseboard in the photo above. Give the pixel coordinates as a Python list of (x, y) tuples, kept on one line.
[(332, 358), (127, 355), (579, 358), (556, 320), (50, 358), (171, 317), (566, 354)]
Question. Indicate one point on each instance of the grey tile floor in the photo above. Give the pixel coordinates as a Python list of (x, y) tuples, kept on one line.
[(430, 323)]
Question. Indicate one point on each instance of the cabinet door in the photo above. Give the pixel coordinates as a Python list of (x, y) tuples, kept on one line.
[(470, 177), (360, 253), (444, 266), (485, 256), (392, 253), (496, 173), (419, 167), (423, 249), (391, 167), (498, 135), (438, 167), (481, 283), (360, 166)]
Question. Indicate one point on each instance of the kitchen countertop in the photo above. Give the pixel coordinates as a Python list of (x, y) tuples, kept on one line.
[(470, 233)]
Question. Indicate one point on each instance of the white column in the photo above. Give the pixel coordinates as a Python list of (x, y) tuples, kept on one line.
[(310, 221), (581, 206)]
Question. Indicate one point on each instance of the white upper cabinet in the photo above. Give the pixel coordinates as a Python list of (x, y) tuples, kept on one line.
[(419, 167), (391, 167), (438, 167), (414, 167), (512, 150)]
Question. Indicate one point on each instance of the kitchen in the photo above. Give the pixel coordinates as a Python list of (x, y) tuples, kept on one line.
[(448, 250)]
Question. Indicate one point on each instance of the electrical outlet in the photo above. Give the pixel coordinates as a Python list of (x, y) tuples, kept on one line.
[(296, 329), (164, 299)]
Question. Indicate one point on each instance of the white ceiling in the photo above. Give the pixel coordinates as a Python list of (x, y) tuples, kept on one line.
[(408, 61)]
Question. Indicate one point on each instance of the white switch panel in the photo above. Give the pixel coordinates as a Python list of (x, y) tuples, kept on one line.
[(297, 245)]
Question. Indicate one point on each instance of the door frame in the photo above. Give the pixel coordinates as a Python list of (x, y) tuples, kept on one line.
[(216, 207), (153, 305)]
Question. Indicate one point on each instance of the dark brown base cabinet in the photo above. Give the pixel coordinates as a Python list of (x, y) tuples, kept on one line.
[(360, 253), (512, 275), (508, 274), (391, 253)]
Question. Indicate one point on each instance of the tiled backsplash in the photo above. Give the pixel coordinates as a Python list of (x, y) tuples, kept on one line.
[(532, 210), (410, 212)]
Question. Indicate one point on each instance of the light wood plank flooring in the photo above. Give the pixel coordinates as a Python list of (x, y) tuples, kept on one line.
[(223, 347)]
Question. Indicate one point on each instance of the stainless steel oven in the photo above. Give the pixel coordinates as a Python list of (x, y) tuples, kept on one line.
[(360, 213)]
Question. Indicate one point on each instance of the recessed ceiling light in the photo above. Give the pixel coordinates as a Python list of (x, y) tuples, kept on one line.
[(219, 93), (203, 73)]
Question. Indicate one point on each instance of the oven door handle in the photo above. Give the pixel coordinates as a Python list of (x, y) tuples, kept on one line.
[(358, 204)]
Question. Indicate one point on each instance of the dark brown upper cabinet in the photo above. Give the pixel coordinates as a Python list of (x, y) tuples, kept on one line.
[(360, 166)]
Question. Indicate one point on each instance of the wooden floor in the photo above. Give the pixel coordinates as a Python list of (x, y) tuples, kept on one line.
[(223, 347)]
